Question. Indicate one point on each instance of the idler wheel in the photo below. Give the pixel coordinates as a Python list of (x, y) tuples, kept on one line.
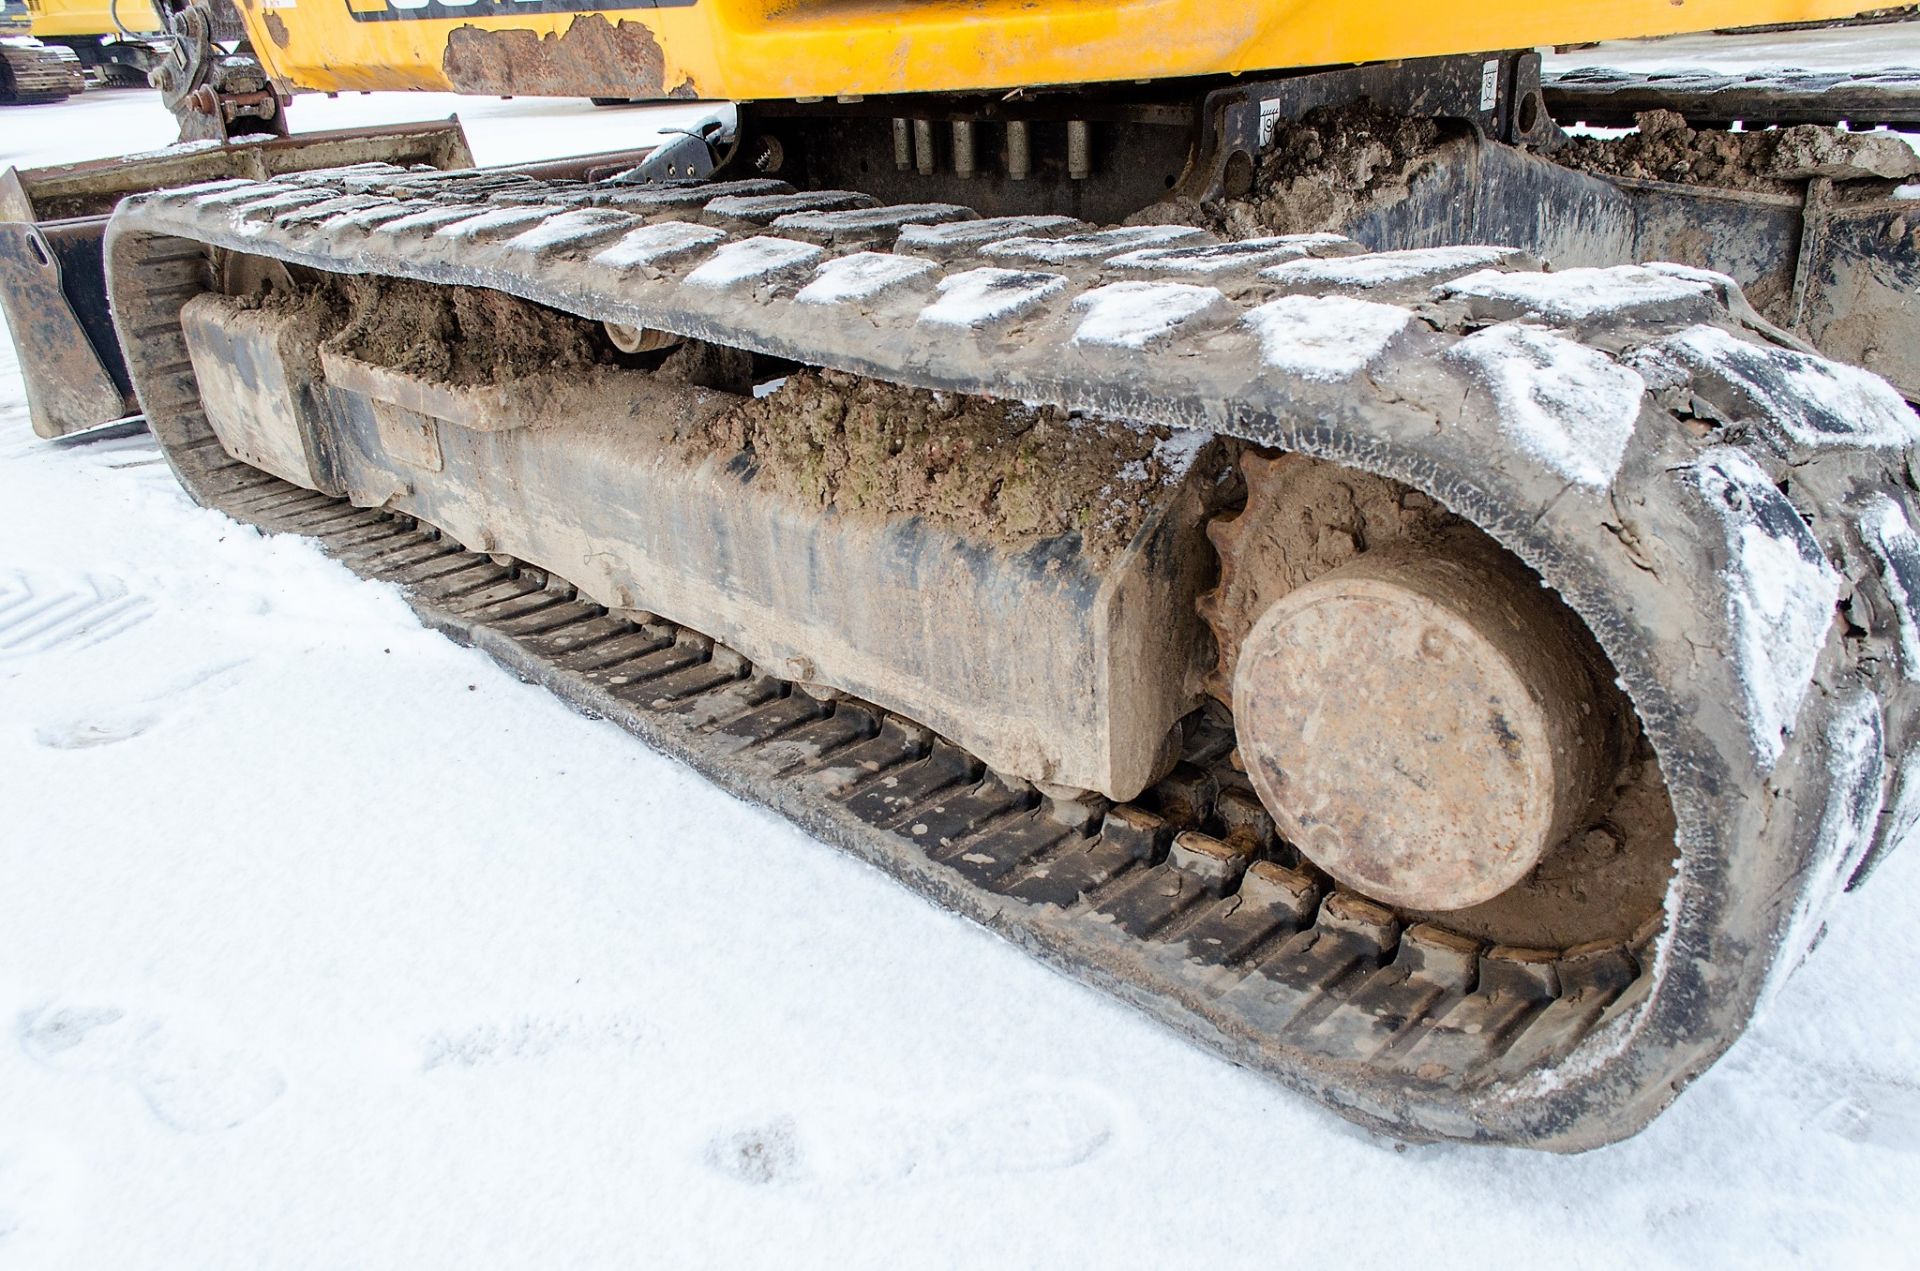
[(1426, 722)]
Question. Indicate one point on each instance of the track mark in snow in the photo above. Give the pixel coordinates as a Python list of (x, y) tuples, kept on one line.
[(104, 725), (40, 613), (528, 1037), (191, 1082), (1022, 1132)]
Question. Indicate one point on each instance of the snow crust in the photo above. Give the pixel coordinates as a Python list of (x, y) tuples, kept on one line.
[(690, 193), (1902, 817), (1386, 269), (488, 224), (1579, 295), (280, 202), (1324, 338), (1569, 407), (859, 218), (327, 209), (751, 260), (976, 297), (568, 229), (757, 207), (428, 218), (370, 215), (1781, 593), (1896, 548), (1216, 258), (1132, 315), (198, 189), (1803, 402), (863, 276), (1096, 244), (1856, 759), (970, 233), (246, 192), (660, 241)]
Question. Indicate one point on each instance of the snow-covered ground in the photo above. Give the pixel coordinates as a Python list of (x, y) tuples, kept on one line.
[(324, 943)]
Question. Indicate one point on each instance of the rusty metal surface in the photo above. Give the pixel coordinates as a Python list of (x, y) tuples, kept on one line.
[(591, 58), (69, 190), (1408, 722), (51, 222)]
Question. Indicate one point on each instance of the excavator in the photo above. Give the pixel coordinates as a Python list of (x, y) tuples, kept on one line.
[(34, 72), (117, 42), (1238, 500)]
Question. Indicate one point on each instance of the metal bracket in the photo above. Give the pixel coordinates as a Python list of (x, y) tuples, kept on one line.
[(689, 156), (1497, 95)]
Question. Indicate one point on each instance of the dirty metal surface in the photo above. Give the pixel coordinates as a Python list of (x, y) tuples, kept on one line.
[(71, 382), (52, 219), (593, 57), (1665, 531)]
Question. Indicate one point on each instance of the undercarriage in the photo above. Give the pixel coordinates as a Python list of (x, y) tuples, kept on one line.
[(1128, 589)]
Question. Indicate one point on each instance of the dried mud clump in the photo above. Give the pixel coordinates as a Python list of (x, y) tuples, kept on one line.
[(1771, 161), (1666, 149), (1002, 470), (459, 335), (1322, 170)]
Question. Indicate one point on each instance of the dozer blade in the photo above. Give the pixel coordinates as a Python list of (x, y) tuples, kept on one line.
[(51, 223)]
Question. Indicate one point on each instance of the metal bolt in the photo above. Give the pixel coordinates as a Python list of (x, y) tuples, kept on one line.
[(902, 144), (1079, 149), (963, 148), (1019, 150), (923, 146)]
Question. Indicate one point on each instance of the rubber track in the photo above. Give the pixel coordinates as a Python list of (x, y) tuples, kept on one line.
[(1604, 97), (1413, 1030), (38, 76)]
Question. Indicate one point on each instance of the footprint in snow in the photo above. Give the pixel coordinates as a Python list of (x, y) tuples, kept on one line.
[(191, 1082), (104, 726), (762, 1154), (99, 731), (1882, 1113), (1021, 1132)]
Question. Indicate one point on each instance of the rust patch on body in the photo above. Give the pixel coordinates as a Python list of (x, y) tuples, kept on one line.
[(592, 58), (278, 30)]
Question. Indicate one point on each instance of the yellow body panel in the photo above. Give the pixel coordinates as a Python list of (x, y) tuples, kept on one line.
[(759, 49), (91, 17)]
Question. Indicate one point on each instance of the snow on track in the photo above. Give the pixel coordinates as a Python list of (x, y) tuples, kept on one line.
[(325, 943)]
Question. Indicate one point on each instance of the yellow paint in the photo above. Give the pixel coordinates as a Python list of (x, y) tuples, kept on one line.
[(755, 49), (90, 17)]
